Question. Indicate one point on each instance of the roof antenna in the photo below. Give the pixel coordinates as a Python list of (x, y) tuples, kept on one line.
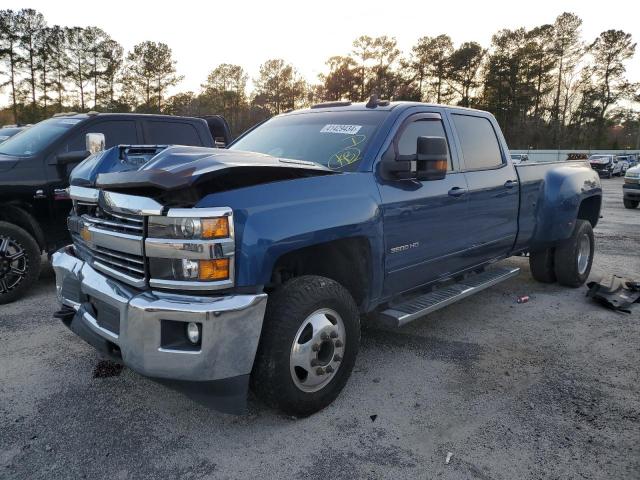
[(373, 101)]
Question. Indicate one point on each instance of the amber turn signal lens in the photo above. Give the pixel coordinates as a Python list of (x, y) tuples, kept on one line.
[(440, 165), (210, 270), (215, 227), (85, 233)]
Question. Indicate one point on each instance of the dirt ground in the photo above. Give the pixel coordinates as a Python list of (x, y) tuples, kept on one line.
[(544, 389)]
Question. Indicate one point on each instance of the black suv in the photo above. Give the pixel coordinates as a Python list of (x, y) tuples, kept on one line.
[(34, 172)]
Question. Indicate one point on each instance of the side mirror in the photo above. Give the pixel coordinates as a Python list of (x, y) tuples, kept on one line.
[(432, 158), (429, 163), (72, 157), (95, 142)]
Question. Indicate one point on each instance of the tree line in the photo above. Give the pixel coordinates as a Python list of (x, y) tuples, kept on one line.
[(547, 87)]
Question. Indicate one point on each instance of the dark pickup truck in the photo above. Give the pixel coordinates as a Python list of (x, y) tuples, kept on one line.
[(34, 172), (216, 270)]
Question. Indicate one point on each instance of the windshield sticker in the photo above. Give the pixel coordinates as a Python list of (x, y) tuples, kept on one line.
[(347, 155), (71, 121), (346, 129)]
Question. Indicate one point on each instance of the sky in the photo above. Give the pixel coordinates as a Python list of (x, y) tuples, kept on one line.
[(203, 34)]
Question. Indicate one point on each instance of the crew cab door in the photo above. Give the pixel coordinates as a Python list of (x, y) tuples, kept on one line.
[(425, 222), (493, 188)]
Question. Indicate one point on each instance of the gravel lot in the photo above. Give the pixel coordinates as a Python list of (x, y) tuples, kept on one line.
[(546, 389)]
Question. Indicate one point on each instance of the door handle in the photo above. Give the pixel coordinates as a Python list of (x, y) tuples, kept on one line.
[(510, 183), (457, 192)]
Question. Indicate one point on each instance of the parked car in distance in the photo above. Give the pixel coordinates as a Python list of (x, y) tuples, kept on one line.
[(624, 162), (34, 175), (606, 165), (9, 131), (631, 187), (519, 158), (330, 213)]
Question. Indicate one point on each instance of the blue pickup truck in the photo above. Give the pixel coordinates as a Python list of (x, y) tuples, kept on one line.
[(214, 271)]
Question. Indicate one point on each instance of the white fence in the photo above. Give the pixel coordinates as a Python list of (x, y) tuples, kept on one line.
[(561, 155)]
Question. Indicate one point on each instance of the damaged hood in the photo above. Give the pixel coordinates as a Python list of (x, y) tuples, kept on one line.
[(180, 167)]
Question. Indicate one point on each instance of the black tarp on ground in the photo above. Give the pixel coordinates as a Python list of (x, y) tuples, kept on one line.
[(615, 292)]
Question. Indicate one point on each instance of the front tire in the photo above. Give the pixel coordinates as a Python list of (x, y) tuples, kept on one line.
[(630, 203), (309, 343), (19, 262), (574, 257)]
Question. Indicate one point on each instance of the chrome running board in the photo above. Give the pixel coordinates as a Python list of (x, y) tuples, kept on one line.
[(400, 314)]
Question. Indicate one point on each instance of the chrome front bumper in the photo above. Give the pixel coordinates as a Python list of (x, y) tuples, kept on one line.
[(231, 325)]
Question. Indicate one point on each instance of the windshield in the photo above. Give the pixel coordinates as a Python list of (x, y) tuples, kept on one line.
[(34, 139), (336, 140)]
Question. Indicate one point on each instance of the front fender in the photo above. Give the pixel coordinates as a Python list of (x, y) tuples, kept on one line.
[(277, 218)]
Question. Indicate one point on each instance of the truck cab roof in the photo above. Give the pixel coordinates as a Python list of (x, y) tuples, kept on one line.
[(87, 115), (369, 106)]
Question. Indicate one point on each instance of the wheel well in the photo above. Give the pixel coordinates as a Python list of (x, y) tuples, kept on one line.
[(347, 261), (590, 210), (22, 218)]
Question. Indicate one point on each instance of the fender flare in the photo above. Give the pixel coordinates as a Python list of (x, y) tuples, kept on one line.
[(19, 216)]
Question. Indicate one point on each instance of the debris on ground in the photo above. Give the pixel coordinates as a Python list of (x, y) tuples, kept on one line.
[(373, 417), (107, 368), (522, 299), (615, 292), (448, 459)]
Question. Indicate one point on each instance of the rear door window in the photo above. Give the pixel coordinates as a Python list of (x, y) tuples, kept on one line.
[(479, 143), (171, 133)]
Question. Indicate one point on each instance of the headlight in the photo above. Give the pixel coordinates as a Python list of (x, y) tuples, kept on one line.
[(191, 249), (183, 269), (188, 228), (632, 174)]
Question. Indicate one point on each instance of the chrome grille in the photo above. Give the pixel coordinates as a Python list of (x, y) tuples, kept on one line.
[(114, 222), (116, 243), (129, 264), (127, 267)]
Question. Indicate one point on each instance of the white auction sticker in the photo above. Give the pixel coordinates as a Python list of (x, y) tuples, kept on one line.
[(346, 129)]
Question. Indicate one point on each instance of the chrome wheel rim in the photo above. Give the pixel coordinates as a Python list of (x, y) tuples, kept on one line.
[(584, 252), (13, 264), (317, 350)]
